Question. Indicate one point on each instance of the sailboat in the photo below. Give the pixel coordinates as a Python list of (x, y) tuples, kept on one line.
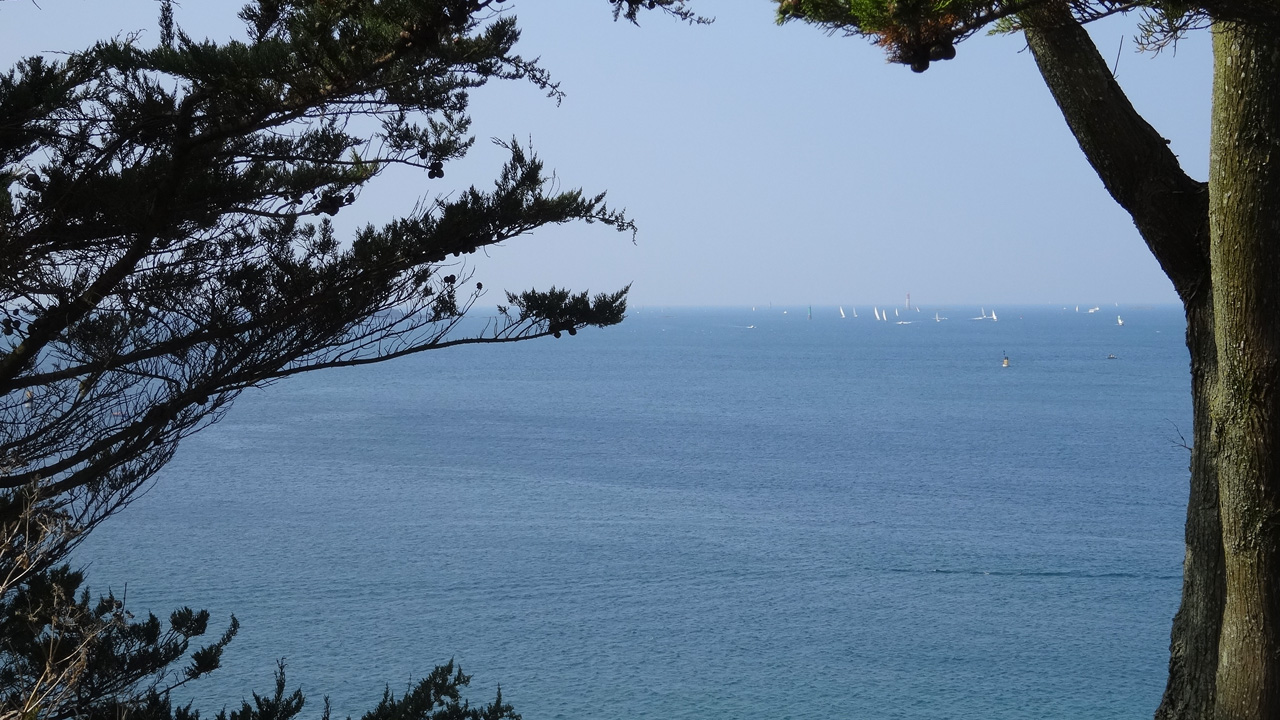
[(895, 312), (938, 318), (982, 316), (855, 313), (810, 312), (876, 310), (1119, 321), (841, 312), (993, 315)]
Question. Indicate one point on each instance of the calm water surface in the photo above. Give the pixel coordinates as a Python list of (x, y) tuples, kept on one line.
[(688, 517)]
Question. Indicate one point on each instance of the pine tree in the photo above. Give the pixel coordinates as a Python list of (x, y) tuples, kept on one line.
[(1218, 241), (165, 243)]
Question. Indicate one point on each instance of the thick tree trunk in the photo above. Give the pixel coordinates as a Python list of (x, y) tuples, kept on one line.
[(1171, 211), (1244, 211)]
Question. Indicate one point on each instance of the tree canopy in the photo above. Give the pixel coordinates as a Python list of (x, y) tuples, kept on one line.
[(166, 243), (917, 32)]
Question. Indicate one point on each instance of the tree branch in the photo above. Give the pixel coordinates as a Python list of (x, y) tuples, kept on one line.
[(1170, 209)]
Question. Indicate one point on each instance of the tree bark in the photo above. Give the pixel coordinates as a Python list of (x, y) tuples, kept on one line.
[(1244, 189), (1193, 642), (1171, 212)]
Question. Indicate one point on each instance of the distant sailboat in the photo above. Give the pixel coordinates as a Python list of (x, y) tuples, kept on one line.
[(1119, 321), (982, 315), (1093, 309), (895, 312), (841, 312), (993, 315), (938, 318), (876, 310), (855, 313), (810, 312)]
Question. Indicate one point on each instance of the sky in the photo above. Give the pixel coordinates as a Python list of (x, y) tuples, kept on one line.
[(778, 165)]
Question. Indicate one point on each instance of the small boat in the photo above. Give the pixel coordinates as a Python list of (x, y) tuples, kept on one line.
[(982, 314), (876, 310), (841, 312), (895, 312), (904, 322), (1111, 357), (1006, 362), (993, 316), (1093, 309), (1119, 321)]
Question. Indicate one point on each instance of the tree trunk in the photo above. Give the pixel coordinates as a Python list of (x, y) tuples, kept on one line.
[(1171, 212), (1244, 209), (1193, 642)]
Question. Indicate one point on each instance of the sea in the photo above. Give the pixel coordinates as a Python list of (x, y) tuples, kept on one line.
[(769, 512)]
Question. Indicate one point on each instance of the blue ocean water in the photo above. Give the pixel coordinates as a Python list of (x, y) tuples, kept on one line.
[(697, 514)]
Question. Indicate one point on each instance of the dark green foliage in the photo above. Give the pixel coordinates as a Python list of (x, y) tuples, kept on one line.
[(916, 32), (565, 311), (630, 9), (165, 243), (437, 697), (66, 655), (159, 243)]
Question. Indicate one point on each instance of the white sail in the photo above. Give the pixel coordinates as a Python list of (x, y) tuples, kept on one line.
[(841, 311), (993, 315), (1119, 321)]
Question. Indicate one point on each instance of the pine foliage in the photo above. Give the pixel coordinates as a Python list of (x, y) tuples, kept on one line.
[(919, 32), (166, 243), (165, 238)]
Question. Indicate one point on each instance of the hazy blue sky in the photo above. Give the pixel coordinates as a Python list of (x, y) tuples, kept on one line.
[(778, 164)]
